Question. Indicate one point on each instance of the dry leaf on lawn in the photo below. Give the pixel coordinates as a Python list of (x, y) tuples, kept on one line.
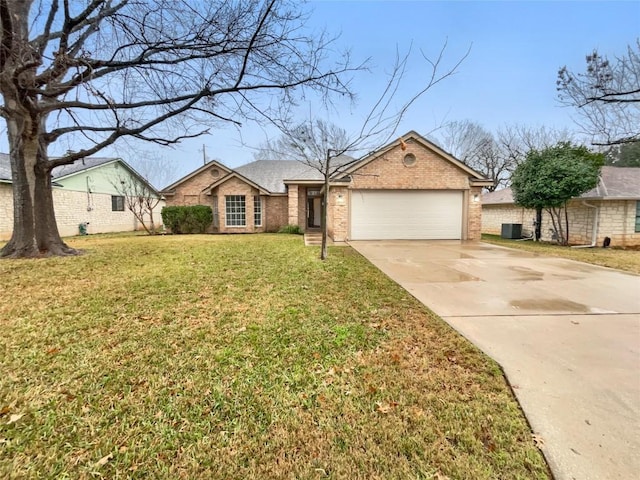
[(538, 441), (386, 407), (104, 460), (14, 418)]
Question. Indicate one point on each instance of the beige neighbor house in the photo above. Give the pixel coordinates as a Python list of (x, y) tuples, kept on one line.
[(83, 193), (612, 209), (409, 189)]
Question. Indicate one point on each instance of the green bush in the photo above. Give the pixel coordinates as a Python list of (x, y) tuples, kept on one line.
[(192, 219), (292, 229)]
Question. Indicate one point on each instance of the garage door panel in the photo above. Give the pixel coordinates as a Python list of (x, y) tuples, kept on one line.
[(402, 214)]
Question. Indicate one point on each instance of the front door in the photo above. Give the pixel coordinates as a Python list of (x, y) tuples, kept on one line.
[(314, 212)]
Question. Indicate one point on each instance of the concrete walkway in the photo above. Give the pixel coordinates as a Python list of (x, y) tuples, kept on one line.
[(567, 335)]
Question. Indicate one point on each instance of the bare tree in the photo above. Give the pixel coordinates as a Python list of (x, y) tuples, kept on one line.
[(86, 74), (496, 155), (475, 146), (607, 96), (331, 150), (140, 198), (515, 141)]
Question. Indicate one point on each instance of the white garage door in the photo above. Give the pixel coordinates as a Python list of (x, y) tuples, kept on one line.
[(406, 214)]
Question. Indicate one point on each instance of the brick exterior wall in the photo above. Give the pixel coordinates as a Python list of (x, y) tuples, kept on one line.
[(338, 214), (190, 192), (616, 220), (276, 211), (6, 211), (429, 172), (72, 208), (292, 205), (302, 208), (235, 186)]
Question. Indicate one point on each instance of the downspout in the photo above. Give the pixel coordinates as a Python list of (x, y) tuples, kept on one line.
[(594, 230)]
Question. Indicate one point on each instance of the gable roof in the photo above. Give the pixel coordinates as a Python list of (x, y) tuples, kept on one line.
[(273, 175), (414, 136), (614, 183), (81, 165), (240, 177), (64, 171), (206, 166)]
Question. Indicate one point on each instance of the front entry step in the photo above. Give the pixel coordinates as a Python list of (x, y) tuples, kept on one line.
[(313, 239)]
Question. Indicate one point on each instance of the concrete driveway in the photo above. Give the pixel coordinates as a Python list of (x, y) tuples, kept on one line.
[(567, 335)]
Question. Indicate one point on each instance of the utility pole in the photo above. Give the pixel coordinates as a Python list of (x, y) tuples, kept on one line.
[(204, 154)]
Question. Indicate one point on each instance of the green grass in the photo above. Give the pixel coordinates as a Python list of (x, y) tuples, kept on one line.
[(628, 260), (241, 357)]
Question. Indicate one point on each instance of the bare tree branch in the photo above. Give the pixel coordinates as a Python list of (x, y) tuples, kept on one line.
[(606, 96)]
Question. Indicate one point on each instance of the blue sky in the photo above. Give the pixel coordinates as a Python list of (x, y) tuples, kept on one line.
[(509, 76)]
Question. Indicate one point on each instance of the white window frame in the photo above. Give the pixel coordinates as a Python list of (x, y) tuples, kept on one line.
[(235, 208), (257, 211)]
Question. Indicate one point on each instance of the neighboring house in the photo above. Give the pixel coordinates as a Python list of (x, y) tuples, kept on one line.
[(83, 192), (612, 209), (409, 189)]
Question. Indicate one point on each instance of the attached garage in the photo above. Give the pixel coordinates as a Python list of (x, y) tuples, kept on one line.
[(406, 214)]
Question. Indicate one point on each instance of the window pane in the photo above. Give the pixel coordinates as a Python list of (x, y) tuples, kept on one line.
[(117, 203), (638, 216), (235, 209), (257, 211)]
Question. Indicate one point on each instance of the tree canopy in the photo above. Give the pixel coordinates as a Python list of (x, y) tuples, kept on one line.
[(549, 178), (627, 155), (84, 74)]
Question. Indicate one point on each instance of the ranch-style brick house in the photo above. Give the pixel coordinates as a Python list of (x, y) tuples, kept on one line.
[(611, 209), (409, 189)]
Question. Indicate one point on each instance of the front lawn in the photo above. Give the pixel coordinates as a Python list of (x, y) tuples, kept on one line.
[(241, 357), (628, 260)]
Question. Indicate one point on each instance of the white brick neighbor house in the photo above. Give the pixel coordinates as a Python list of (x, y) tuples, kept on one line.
[(82, 193), (611, 209), (408, 189)]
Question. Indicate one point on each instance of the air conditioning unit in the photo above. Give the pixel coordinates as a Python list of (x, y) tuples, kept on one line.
[(511, 230)]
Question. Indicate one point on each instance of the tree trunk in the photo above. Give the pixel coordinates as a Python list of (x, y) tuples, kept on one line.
[(566, 222), (538, 225), (35, 232), (324, 224)]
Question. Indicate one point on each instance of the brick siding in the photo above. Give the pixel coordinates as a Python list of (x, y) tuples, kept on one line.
[(429, 172), (190, 192), (616, 220), (73, 208)]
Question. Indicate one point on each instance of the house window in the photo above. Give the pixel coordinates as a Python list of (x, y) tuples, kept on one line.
[(638, 216), (257, 211), (117, 203), (235, 211)]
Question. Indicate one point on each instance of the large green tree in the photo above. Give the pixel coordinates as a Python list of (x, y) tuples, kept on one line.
[(82, 74), (549, 178), (627, 155)]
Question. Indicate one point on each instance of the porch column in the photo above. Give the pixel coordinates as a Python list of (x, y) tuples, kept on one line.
[(293, 205)]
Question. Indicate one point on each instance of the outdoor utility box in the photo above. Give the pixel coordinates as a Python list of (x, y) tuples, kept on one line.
[(511, 230)]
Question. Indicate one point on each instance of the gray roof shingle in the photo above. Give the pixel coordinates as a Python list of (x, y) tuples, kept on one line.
[(270, 174), (615, 182), (62, 171), (80, 165)]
